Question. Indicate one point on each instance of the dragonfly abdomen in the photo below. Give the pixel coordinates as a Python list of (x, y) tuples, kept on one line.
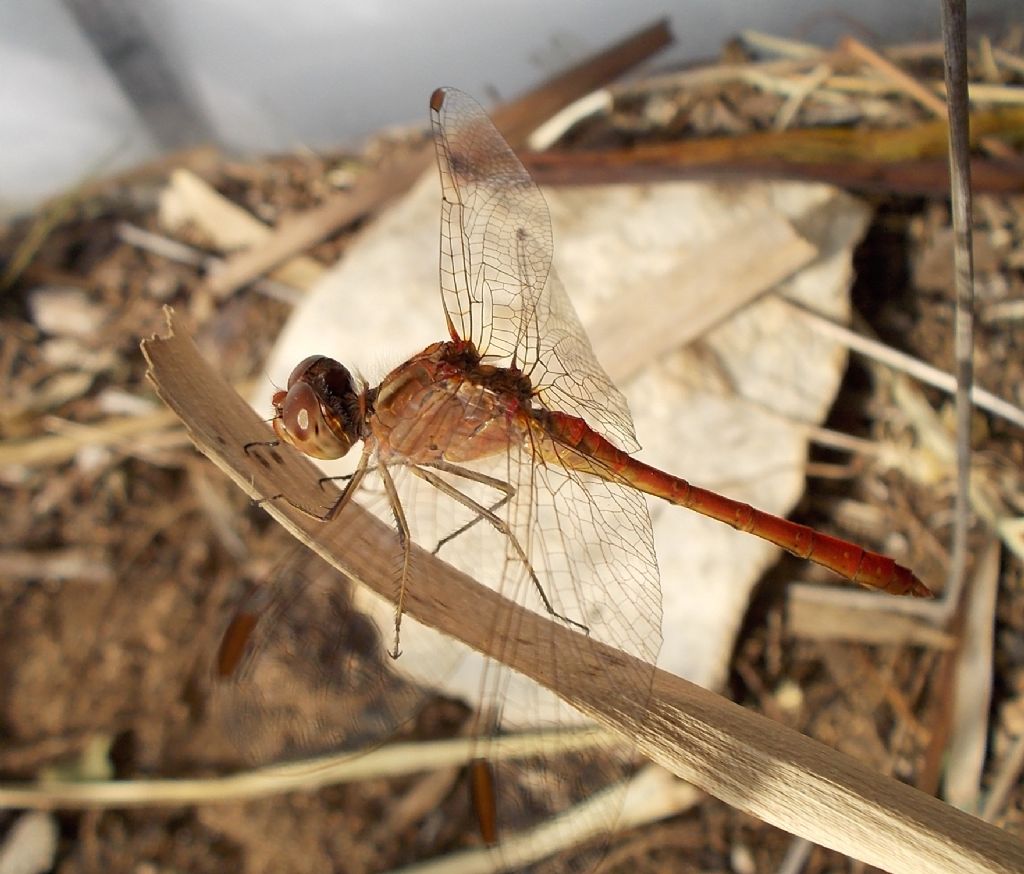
[(598, 456)]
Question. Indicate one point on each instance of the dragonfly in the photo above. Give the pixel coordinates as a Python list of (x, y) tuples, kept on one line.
[(512, 422), (517, 376)]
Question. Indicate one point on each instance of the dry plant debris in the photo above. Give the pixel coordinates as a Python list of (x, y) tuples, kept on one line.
[(122, 551)]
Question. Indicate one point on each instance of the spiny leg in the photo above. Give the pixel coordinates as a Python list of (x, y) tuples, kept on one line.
[(493, 509), (269, 444), (351, 486), (259, 502), (355, 478), (498, 485), (502, 526), (344, 477), (403, 539)]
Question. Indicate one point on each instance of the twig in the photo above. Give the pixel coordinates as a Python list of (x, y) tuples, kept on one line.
[(987, 60), (715, 74), (518, 118), (954, 38), (57, 448), (165, 247), (841, 440), (981, 92), (907, 364), (70, 563), (1004, 57), (917, 177), (919, 51), (972, 685), (300, 232), (551, 131), (394, 760), (797, 854), (1006, 779), (908, 160), (904, 81), (810, 598), (229, 226), (805, 86), (652, 795), (1012, 533), (1003, 311), (173, 250), (777, 45)]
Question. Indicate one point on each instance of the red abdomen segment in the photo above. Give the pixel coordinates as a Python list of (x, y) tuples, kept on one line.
[(594, 454)]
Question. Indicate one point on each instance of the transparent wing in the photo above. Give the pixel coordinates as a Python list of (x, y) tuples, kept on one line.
[(301, 671), (497, 285), (590, 552), (588, 541)]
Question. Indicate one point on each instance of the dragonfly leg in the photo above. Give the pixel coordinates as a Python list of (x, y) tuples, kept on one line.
[(263, 444), (404, 539), (353, 480), (281, 496), (269, 444), (345, 477), (499, 485), (502, 526)]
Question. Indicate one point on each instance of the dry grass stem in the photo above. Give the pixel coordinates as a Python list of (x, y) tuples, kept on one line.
[(1009, 60), (900, 361), (834, 613), (306, 775), (181, 253), (768, 43), (805, 86), (188, 198), (717, 74), (1007, 776), (901, 79), (796, 857), (652, 795), (83, 565), (972, 684), (58, 448)]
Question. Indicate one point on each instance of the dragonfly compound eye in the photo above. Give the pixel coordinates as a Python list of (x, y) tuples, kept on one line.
[(300, 369), (301, 421), (313, 416), (299, 413)]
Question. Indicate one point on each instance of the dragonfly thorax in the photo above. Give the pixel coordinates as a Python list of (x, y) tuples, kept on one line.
[(444, 404), (323, 410)]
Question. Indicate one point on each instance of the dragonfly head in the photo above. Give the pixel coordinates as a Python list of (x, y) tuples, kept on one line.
[(323, 410)]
